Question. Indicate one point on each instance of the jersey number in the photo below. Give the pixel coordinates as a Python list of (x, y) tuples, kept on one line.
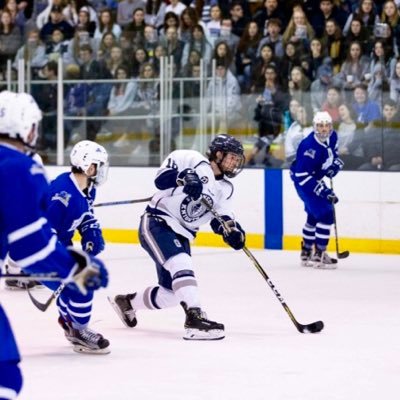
[(171, 164)]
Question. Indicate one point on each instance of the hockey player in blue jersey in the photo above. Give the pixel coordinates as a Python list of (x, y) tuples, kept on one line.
[(173, 218), (25, 232), (69, 208), (317, 158)]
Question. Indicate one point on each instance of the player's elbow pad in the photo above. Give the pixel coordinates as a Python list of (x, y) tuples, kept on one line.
[(166, 180)]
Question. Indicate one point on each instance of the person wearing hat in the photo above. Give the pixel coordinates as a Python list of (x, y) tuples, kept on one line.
[(56, 21)]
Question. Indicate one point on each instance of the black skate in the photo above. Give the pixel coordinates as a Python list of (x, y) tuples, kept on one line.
[(17, 284), (305, 256), (85, 340), (123, 307), (321, 260), (198, 327)]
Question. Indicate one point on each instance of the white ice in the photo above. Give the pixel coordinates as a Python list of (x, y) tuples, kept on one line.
[(357, 355)]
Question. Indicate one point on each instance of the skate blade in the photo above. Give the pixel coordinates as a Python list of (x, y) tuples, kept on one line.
[(86, 350), (325, 266), (121, 316), (196, 334), (307, 264)]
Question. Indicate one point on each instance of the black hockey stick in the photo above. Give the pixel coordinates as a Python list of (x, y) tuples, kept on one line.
[(44, 306), (314, 327), (343, 254), (121, 202), (79, 280)]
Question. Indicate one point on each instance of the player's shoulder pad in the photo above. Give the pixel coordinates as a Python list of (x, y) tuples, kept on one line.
[(22, 165)]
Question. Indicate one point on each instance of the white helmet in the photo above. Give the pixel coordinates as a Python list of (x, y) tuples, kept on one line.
[(85, 153), (322, 118), (19, 113)]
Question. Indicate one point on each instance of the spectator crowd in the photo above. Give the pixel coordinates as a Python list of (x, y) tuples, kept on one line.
[(276, 62)]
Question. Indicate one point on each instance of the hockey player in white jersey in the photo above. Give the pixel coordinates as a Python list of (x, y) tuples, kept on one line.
[(171, 221)]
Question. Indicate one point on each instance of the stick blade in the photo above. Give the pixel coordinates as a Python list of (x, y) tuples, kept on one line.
[(343, 254), (40, 306), (314, 327)]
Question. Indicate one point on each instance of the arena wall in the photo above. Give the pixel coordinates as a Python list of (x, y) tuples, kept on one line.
[(266, 204)]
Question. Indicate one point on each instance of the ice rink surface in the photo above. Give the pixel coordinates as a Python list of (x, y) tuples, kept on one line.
[(356, 356)]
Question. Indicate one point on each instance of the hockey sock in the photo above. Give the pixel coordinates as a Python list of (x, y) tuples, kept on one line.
[(308, 235), (184, 283), (322, 235), (76, 307), (154, 297)]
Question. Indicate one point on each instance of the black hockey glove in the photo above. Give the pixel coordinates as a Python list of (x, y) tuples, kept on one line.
[(90, 272), (336, 166), (232, 232), (192, 185)]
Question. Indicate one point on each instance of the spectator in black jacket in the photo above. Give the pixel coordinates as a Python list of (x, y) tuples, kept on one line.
[(327, 10), (98, 93), (269, 10), (56, 22)]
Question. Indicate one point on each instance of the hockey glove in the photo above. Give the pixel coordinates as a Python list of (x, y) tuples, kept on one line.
[(92, 238), (336, 166), (233, 234), (89, 272), (92, 241), (192, 185), (322, 191)]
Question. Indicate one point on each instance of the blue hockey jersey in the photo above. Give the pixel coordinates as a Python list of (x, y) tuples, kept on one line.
[(313, 158), (25, 232), (68, 207)]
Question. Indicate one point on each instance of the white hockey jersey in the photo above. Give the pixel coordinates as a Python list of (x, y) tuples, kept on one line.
[(181, 213)]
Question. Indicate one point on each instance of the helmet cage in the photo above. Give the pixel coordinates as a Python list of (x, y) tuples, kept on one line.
[(226, 144)]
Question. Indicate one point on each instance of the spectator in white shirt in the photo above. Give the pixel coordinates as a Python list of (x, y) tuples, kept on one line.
[(176, 7)]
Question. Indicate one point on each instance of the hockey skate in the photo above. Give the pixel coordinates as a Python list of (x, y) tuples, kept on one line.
[(305, 256), (85, 340), (198, 327), (321, 260), (123, 307), (17, 284)]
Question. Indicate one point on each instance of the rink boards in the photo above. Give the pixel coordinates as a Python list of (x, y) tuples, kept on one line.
[(267, 206)]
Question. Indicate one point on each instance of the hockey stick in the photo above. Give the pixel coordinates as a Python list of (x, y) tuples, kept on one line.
[(79, 280), (29, 278), (121, 202), (314, 327), (343, 254)]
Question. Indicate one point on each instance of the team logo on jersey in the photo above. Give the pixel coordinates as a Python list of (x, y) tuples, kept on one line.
[(204, 180), (310, 153), (193, 210), (63, 196)]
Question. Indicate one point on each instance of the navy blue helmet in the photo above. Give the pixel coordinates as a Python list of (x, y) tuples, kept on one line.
[(226, 144)]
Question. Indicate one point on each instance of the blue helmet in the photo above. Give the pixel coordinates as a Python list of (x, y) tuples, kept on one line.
[(225, 144)]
